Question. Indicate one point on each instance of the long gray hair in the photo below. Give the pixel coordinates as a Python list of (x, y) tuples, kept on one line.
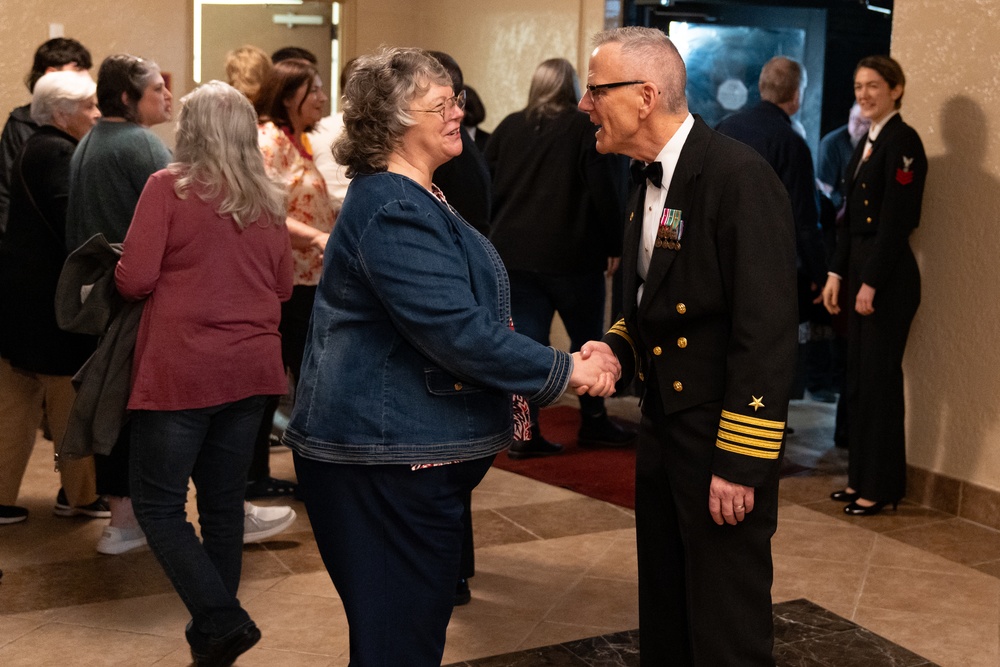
[(217, 152)]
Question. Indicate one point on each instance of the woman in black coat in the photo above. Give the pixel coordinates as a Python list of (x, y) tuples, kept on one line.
[(884, 187), (38, 359), (558, 210)]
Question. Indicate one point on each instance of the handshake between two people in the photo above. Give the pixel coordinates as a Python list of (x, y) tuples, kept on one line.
[(595, 370)]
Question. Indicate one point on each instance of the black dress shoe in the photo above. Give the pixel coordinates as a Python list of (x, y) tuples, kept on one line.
[(602, 432), (223, 652), (537, 446), (854, 509), (844, 496), (462, 593)]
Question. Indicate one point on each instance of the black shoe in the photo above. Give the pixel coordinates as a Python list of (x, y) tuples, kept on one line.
[(462, 593), (602, 432), (537, 446), (96, 510), (854, 509), (223, 652), (843, 496), (12, 514)]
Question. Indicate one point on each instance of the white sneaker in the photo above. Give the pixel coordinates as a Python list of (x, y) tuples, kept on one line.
[(116, 541), (260, 523)]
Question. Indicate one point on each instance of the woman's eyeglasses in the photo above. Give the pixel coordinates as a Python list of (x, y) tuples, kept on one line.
[(444, 107)]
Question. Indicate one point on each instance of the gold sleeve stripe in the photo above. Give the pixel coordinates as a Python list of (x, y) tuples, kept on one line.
[(747, 430), (753, 421), (729, 427), (756, 453), (753, 442), (619, 329)]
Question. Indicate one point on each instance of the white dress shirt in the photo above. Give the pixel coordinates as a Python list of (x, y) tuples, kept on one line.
[(656, 197)]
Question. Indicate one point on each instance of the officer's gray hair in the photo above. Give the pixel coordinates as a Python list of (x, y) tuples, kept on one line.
[(651, 56)]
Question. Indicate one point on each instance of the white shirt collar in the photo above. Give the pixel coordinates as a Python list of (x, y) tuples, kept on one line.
[(671, 151), (876, 128)]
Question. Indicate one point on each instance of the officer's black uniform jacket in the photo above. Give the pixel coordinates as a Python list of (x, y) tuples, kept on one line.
[(718, 319)]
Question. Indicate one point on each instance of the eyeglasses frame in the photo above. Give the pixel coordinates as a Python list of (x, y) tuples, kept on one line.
[(458, 100)]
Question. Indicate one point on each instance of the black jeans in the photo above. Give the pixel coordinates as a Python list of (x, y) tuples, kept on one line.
[(212, 446)]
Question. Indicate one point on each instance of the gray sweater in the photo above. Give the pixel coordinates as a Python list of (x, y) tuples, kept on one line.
[(107, 174)]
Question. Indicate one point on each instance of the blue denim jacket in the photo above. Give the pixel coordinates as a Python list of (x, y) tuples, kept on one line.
[(409, 357)]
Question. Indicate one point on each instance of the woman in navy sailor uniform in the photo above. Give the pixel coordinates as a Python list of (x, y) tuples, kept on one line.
[(884, 186)]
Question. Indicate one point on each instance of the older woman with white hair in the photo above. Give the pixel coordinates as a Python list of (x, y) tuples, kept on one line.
[(209, 252), (38, 359)]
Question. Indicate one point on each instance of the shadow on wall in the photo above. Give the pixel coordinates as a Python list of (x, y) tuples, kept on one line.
[(953, 360)]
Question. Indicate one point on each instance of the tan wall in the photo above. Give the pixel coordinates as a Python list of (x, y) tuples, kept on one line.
[(155, 29), (498, 43), (949, 51)]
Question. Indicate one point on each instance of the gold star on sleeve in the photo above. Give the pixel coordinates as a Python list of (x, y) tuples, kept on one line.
[(756, 403)]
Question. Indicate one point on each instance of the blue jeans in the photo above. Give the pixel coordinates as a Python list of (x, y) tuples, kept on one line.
[(213, 446), (578, 298)]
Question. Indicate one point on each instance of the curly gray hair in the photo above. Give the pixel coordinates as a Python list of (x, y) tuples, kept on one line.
[(376, 98)]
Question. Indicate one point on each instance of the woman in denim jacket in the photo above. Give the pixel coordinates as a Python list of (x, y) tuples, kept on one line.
[(410, 366)]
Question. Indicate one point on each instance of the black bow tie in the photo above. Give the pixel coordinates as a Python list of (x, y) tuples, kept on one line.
[(652, 171)]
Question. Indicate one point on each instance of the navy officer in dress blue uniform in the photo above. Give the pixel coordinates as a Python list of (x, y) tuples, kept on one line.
[(885, 188), (709, 329)]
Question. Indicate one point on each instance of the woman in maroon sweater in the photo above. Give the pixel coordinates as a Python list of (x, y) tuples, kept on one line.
[(209, 252)]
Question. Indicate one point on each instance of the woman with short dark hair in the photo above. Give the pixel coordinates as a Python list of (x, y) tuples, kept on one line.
[(109, 170)]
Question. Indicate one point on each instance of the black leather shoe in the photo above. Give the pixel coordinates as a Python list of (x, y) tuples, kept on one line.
[(537, 446), (223, 652), (854, 509), (462, 593), (602, 432), (843, 496)]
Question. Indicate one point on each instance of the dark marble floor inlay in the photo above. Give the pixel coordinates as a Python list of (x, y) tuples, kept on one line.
[(805, 635)]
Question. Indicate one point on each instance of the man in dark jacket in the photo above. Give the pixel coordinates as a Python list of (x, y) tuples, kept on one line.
[(56, 54), (709, 246), (767, 128)]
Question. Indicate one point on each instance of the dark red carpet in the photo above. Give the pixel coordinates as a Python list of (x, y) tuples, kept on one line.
[(605, 474)]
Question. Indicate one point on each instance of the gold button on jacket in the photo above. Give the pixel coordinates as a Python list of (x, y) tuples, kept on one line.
[(678, 386), (458, 386), (681, 308), (657, 351), (682, 342)]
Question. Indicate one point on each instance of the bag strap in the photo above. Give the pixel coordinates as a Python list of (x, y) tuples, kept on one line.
[(45, 221)]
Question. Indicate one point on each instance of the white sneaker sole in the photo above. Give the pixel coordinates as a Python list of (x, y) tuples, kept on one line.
[(250, 538)]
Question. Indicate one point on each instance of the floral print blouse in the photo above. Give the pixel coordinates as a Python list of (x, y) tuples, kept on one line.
[(308, 201)]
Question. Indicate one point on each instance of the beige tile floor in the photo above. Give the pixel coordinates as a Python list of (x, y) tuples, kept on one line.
[(552, 566)]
